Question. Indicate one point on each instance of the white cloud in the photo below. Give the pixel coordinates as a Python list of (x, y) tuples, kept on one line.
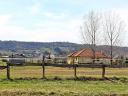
[(42, 35), (48, 14), (4, 19), (79, 1), (34, 9), (58, 16), (76, 2), (48, 31), (61, 27)]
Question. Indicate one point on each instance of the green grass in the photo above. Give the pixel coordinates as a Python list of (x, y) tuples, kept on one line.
[(62, 87), (26, 81)]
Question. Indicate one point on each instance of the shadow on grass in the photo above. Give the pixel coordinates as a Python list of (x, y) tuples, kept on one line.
[(112, 79), (40, 93)]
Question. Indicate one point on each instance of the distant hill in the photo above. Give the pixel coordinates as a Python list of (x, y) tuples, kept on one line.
[(59, 48), (17, 45)]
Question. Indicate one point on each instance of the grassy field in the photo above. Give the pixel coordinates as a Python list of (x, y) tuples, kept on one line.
[(26, 81)]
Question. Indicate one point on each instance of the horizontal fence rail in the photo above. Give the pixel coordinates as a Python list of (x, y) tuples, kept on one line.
[(3, 67), (79, 65)]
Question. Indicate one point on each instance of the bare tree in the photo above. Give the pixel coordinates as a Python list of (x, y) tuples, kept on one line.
[(112, 28), (89, 31)]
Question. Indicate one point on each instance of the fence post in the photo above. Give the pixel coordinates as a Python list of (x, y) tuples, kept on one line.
[(103, 71), (43, 66), (8, 71), (75, 74)]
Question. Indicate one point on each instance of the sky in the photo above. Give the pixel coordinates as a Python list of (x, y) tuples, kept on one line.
[(51, 20)]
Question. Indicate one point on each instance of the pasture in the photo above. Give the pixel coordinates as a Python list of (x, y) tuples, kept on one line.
[(26, 81)]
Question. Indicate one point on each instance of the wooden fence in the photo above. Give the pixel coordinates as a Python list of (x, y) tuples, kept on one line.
[(74, 66)]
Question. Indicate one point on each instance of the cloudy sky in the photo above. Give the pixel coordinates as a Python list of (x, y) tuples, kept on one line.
[(50, 20)]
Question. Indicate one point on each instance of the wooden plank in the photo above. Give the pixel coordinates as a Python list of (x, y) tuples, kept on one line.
[(3, 67), (79, 65)]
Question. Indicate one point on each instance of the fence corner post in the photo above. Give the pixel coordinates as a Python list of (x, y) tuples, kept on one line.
[(8, 71), (43, 67), (103, 71), (75, 73)]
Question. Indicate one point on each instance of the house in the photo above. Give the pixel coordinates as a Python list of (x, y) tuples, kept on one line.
[(85, 56)]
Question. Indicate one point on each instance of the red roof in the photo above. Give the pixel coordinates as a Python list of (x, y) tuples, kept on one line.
[(88, 53), (71, 54)]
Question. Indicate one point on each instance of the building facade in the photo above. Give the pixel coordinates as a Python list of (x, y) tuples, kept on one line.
[(85, 56)]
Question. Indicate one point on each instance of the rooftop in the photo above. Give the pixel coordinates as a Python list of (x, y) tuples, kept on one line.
[(88, 53)]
